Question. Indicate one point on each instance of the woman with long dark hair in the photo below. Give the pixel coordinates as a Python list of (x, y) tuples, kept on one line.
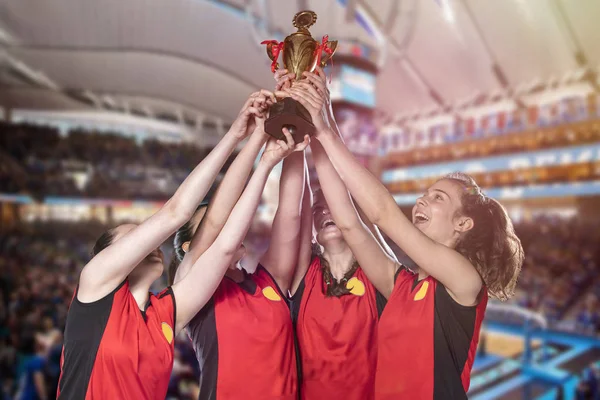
[(243, 337), (119, 338), (464, 246), (335, 306)]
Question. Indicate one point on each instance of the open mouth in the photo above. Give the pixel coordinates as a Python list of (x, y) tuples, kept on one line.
[(327, 223), (421, 218)]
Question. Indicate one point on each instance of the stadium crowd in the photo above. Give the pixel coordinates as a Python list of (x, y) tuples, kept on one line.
[(561, 264), (40, 161)]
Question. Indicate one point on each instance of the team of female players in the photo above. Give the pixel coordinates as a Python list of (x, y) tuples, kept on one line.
[(329, 312)]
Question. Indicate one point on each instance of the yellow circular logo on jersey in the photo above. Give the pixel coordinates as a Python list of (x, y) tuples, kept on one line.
[(168, 332), (271, 294), (422, 292), (356, 287)]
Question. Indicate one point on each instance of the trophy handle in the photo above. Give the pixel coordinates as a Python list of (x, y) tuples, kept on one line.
[(270, 51), (332, 44), (273, 49)]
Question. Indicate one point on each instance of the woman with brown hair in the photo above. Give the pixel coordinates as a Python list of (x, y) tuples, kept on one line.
[(119, 338), (334, 305), (243, 337), (465, 247)]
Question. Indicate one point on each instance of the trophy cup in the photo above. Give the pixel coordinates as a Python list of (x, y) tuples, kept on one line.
[(300, 53)]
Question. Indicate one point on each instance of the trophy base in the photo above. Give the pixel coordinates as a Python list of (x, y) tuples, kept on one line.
[(290, 114)]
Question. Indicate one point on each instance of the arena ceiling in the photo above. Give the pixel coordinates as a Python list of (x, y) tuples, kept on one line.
[(202, 57)]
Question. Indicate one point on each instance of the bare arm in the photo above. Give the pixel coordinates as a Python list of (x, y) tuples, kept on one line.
[(377, 264), (282, 254), (223, 201), (376, 232), (456, 273), (196, 288), (284, 80), (112, 265), (305, 244)]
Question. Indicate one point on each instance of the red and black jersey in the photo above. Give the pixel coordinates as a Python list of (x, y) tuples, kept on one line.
[(427, 341), (114, 350), (244, 341), (337, 337)]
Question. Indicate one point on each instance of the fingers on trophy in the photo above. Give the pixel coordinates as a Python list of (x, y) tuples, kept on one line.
[(300, 53)]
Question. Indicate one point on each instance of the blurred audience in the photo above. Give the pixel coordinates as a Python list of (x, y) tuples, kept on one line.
[(39, 161), (588, 387), (39, 266), (560, 266)]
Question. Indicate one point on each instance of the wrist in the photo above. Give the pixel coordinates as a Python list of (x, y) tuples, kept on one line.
[(233, 135), (265, 166), (325, 133), (295, 158), (259, 133)]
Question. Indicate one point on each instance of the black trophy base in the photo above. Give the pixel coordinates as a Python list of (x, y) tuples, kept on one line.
[(288, 113)]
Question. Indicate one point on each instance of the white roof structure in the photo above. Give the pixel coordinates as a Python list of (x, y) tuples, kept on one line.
[(191, 59)]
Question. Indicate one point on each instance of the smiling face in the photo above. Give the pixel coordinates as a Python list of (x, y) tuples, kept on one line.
[(436, 213)]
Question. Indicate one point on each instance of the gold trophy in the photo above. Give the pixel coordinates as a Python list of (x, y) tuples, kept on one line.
[(300, 53)]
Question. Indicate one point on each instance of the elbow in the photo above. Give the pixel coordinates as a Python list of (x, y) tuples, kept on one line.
[(380, 213), (349, 225), (375, 218), (212, 223), (377, 214), (228, 253), (227, 248), (178, 213)]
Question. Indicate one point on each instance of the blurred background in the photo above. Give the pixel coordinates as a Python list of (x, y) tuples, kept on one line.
[(106, 106)]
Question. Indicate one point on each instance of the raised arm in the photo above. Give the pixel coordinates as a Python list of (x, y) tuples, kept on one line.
[(282, 255), (375, 231), (196, 288), (306, 234), (230, 188), (456, 273), (373, 259), (334, 127), (113, 264), (284, 81)]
